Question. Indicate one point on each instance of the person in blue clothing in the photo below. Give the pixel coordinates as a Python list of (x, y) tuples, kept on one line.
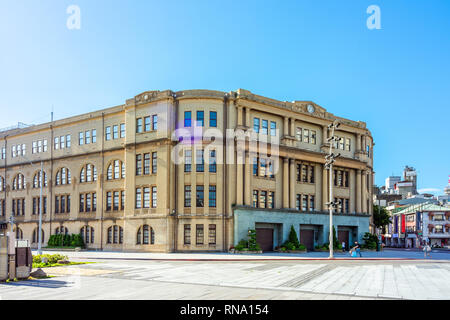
[(357, 248)]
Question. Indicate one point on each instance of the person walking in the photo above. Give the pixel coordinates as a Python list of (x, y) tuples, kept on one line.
[(426, 250), (357, 248), (343, 246)]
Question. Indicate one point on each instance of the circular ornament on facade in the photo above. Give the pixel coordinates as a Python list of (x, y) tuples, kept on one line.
[(310, 108)]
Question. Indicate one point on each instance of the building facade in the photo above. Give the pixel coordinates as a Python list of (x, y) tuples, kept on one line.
[(168, 171), (413, 225)]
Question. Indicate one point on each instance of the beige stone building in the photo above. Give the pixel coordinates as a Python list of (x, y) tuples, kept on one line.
[(125, 180)]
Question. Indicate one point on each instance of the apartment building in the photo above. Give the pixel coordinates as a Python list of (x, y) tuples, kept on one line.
[(169, 171)]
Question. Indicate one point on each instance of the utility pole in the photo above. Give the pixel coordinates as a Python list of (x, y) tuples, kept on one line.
[(329, 160), (41, 205)]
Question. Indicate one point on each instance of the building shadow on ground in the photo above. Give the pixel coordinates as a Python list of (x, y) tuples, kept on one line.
[(41, 283)]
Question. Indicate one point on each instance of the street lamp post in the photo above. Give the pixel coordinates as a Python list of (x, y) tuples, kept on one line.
[(41, 205), (330, 158)]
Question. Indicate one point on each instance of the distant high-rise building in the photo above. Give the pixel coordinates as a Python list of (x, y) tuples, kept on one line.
[(390, 183)]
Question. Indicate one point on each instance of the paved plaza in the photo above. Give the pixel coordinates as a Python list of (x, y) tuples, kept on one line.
[(225, 276)]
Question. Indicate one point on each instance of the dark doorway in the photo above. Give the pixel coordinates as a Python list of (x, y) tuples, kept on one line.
[(264, 237), (343, 237), (307, 238)]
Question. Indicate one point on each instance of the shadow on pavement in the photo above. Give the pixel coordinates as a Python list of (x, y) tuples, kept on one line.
[(40, 283)]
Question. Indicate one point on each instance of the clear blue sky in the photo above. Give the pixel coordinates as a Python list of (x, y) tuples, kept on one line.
[(396, 79)]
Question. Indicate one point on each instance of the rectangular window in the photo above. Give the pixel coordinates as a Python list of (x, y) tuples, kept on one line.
[(187, 119), (146, 197), (154, 162), (94, 201), (212, 161), (255, 198), (298, 134), (264, 127), (187, 234), (263, 199), (304, 173), (56, 205), (346, 179), (256, 125), (271, 200), (255, 166), (273, 128), (187, 160), (155, 122), (306, 135), (313, 137), (39, 144), (312, 204), (116, 200), (199, 234), (80, 138), (199, 160), (346, 206), (81, 202), (212, 234), (212, 196), (63, 204), (200, 119), (341, 143), (115, 131), (200, 196), (87, 137), (139, 125), (147, 123), (311, 174), (304, 202), (347, 144), (108, 201), (154, 199), (139, 164), (34, 147), (108, 133), (138, 203), (122, 130), (56, 144), (187, 196), (94, 135), (262, 167), (298, 200), (213, 119), (146, 163), (122, 200)]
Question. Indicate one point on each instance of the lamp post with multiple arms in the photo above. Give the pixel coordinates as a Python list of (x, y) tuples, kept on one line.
[(329, 160)]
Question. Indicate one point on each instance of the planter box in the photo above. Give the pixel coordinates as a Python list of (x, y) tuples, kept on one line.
[(248, 251), (292, 251)]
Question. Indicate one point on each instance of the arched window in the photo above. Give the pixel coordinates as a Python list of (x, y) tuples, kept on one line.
[(87, 233), (37, 179), (63, 177), (2, 183), (61, 230), (19, 182), (19, 233), (115, 235), (116, 170), (145, 235), (88, 173), (36, 236)]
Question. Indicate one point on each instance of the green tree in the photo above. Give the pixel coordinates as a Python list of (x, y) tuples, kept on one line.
[(381, 216), (252, 244), (293, 238)]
